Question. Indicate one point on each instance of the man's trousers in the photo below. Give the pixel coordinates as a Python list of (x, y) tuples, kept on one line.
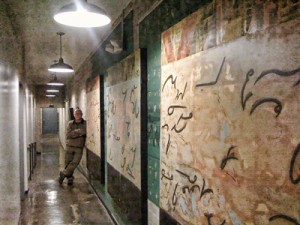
[(72, 159)]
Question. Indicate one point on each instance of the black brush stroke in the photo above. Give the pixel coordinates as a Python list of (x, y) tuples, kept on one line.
[(173, 81), (284, 217), (248, 96), (277, 108), (277, 72), (292, 165), (213, 82)]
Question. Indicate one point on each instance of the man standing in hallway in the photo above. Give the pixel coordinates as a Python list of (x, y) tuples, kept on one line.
[(76, 134)]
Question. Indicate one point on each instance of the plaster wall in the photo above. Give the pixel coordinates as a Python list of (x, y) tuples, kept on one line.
[(229, 117), (212, 138), (10, 61), (9, 142)]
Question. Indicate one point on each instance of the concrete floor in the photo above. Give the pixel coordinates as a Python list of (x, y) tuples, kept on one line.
[(49, 203)]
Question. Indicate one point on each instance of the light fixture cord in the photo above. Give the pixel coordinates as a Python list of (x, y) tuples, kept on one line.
[(60, 34), (122, 28), (60, 45)]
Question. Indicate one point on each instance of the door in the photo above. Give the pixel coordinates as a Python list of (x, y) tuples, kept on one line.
[(50, 121)]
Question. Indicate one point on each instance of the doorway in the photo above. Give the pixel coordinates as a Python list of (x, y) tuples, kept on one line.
[(49, 121)]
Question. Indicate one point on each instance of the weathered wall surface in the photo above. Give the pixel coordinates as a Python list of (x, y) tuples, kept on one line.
[(123, 117), (165, 15), (93, 115), (229, 116), (93, 139), (123, 134)]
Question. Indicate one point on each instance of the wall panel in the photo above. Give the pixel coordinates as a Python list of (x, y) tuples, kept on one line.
[(229, 128)]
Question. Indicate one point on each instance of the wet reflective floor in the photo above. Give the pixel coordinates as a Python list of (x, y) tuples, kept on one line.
[(48, 202)]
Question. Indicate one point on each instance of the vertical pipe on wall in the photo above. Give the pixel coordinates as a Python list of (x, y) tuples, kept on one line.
[(102, 130), (144, 137), (25, 119)]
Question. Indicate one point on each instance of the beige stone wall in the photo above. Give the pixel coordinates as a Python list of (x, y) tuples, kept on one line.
[(230, 119)]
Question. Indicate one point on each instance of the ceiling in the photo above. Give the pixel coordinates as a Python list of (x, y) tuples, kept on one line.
[(34, 21)]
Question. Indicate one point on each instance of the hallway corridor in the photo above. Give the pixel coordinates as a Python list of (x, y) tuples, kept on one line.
[(179, 112), (48, 203)]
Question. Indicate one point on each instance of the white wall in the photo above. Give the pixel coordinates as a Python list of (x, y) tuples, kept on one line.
[(63, 121), (29, 130), (12, 73), (9, 144), (64, 118)]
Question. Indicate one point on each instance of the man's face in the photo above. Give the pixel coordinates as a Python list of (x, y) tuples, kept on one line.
[(78, 115)]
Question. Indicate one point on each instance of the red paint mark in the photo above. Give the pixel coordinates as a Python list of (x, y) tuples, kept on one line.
[(234, 178), (166, 36), (186, 37)]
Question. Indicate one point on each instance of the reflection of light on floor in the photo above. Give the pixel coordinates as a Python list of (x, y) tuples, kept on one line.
[(51, 197), (54, 215)]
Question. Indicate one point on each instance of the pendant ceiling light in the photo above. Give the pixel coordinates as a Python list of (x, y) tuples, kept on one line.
[(51, 96), (82, 14), (52, 91), (55, 82), (60, 67)]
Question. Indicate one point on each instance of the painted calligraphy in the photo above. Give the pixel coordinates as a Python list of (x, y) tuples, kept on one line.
[(112, 107), (209, 216), (187, 189), (230, 156), (128, 126), (277, 108), (163, 175), (278, 104), (218, 76), (292, 165), (284, 217), (279, 73)]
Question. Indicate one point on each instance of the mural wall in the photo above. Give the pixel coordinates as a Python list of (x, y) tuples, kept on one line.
[(123, 136), (230, 119), (93, 115), (123, 117)]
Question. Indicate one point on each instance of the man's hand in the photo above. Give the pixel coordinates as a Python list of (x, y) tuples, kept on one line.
[(80, 132), (75, 133)]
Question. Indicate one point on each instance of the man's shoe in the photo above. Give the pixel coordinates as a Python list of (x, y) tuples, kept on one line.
[(70, 180), (61, 178)]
